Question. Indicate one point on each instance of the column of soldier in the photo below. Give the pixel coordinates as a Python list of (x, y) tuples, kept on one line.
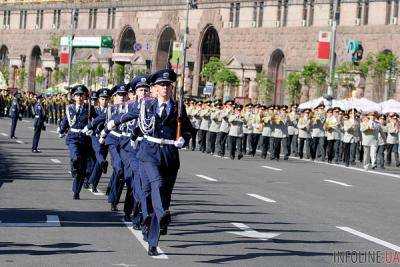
[(327, 134), (142, 128)]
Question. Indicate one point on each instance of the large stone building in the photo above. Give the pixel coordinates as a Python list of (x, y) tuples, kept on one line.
[(277, 36)]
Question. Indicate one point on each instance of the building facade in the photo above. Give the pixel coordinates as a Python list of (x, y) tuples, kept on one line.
[(277, 36)]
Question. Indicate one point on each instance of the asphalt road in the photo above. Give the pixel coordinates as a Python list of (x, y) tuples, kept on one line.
[(251, 212)]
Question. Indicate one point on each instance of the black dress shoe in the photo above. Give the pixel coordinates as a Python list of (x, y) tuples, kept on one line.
[(13, 137), (232, 157), (152, 251), (86, 185), (76, 196), (164, 230), (165, 220), (104, 167), (114, 207), (136, 226), (108, 191), (240, 156), (94, 189)]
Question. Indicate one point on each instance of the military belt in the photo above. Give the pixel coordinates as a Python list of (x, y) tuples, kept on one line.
[(160, 141), (75, 130)]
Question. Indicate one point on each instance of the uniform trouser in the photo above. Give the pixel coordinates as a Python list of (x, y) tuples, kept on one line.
[(128, 180), (332, 150), (369, 156), (302, 142), (295, 144), (36, 136), (78, 153), (117, 177), (13, 126), (392, 148), (101, 156), (235, 143), (139, 202), (211, 139), (380, 156), (203, 140), (346, 153), (317, 143), (276, 147), (265, 145), (254, 139), (246, 137), (194, 139), (158, 186), (222, 143), (353, 151), (289, 141)]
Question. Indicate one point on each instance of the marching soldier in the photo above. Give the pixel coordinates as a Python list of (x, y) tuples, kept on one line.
[(79, 145), (205, 123), (267, 131), (293, 132), (214, 127), (224, 127), (392, 139), (38, 123), (380, 155), (303, 125), (318, 133), (236, 132), (279, 122), (247, 114), (15, 114), (370, 133), (349, 137), (256, 127)]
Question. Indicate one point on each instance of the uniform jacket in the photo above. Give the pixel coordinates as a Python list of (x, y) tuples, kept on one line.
[(225, 125), (205, 119), (392, 133), (370, 133), (15, 110), (40, 116), (215, 121), (304, 127), (236, 125)]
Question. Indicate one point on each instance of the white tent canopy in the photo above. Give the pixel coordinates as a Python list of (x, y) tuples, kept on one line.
[(361, 104), (390, 106)]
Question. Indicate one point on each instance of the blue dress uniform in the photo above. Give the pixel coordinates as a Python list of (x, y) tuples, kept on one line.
[(38, 123), (79, 144), (15, 114), (100, 150), (158, 153)]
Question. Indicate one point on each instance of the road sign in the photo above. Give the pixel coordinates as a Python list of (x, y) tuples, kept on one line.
[(87, 41), (208, 89)]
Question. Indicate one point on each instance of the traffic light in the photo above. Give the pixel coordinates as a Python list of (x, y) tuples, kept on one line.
[(355, 49)]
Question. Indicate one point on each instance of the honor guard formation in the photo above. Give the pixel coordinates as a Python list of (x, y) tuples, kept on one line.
[(140, 127)]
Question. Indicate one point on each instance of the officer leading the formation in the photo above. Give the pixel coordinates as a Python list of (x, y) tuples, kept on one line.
[(38, 123), (158, 153)]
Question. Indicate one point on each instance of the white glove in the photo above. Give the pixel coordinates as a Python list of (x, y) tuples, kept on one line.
[(87, 131), (58, 130), (110, 125), (101, 140), (103, 134), (180, 142), (61, 135)]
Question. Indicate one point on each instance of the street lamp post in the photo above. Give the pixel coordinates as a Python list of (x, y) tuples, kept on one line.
[(190, 4), (74, 19), (332, 62)]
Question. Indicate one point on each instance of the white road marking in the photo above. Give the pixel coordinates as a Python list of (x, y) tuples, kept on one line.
[(351, 168), (139, 236), (207, 178), (54, 132), (25, 121), (99, 193), (56, 161), (271, 168), (370, 238), (248, 232), (336, 182), (262, 198), (20, 142), (4, 134), (51, 221)]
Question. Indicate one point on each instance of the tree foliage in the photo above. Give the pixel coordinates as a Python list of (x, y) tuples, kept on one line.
[(119, 73), (266, 87), (211, 69), (293, 85), (22, 74), (314, 73), (6, 73)]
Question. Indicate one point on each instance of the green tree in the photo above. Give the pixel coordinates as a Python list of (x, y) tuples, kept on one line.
[(59, 75), (211, 68), (22, 74), (119, 73), (293, 85), (80, 70), (266, 87), (315, 74), (39, 80), (6, 74)]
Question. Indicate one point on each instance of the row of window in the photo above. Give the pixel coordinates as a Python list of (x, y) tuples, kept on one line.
[(23, 15), (362, 12)]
